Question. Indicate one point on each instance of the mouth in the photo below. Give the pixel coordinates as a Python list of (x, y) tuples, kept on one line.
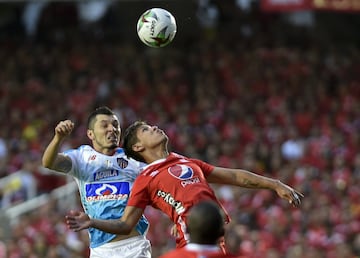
[(112, 138)]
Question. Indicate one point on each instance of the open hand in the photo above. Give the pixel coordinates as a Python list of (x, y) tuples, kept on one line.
[(77, 220), (288, 193)]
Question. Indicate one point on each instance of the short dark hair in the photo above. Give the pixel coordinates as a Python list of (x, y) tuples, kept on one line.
[(205, 223), (103, 110), (130, 139)]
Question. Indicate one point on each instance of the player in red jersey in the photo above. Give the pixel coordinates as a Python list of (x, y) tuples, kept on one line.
[(173, 184), (205, 225)]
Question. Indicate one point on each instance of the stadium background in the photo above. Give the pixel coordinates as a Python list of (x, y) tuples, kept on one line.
[(276, 93)]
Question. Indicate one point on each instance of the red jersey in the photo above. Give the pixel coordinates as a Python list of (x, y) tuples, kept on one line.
[(174, 185), (196, 251)]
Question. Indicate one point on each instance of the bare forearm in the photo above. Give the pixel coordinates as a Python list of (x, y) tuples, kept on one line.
[(79, 220), (117, 227), (51, 152), (250, 180), (242, 178), (247, 179)]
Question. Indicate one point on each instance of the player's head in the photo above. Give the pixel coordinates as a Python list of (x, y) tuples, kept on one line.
[(205, 223), (140, 137), (103, 129)]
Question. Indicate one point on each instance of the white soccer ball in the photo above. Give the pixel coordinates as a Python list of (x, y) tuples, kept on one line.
[(156, 27)]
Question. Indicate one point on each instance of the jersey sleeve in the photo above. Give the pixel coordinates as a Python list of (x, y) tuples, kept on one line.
[(74, 155), (205, 167), (139, 195)]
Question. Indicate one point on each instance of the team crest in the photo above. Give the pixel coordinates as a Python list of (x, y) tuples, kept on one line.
[(123, 163), (182, 172)]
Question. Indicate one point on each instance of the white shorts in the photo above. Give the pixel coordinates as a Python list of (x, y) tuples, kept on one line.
[(133, 247)]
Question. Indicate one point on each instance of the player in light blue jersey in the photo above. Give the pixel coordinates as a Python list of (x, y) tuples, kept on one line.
[(105, 177)]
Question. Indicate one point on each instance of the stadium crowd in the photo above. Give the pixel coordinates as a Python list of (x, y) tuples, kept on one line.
[(288, 112)]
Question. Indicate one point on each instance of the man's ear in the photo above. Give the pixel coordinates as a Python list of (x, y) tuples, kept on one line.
[(137, 147), (90, 134)]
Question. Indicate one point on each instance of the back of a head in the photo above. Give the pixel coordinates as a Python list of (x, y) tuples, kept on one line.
[(205, 223)]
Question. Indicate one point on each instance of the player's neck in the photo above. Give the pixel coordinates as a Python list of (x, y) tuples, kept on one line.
[(155, 154)]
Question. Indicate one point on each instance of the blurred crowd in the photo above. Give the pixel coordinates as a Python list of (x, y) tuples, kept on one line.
[(286, 112)]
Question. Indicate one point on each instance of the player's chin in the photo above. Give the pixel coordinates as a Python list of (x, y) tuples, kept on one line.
[(113, 145), (165, 139)]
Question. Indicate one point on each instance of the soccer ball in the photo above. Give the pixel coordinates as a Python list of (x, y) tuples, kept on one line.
[(156, 27)]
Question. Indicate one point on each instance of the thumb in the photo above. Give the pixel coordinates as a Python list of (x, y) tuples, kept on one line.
[(74, 213)]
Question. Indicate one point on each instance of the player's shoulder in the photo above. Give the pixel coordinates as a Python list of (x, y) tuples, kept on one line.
[(81, 149), (184, 159), (86, 152), (177, 155), (85, 148)]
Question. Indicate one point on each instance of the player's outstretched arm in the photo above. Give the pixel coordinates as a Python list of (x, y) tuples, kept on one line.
[(247, 179), (51, 158), (77, 220)]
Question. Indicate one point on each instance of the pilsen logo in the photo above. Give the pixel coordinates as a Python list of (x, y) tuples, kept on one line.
[(123, 163)]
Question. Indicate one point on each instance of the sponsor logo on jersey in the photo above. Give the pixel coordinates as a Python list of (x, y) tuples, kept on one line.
[(107, 191), (123, 163), (181, 172), (92, 157), (168, 198), (184, 173), (190, 181), (105, 174)]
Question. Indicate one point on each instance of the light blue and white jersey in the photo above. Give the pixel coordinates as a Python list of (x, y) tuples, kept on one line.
[(104, 184)]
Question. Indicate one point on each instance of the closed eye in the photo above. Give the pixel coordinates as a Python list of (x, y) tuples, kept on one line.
[(146, 128)]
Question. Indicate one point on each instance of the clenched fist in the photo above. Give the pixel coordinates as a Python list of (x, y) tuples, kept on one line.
[(64, 128)]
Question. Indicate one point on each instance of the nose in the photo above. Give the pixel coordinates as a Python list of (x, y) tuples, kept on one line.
[(113, 128), (154, 127)]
